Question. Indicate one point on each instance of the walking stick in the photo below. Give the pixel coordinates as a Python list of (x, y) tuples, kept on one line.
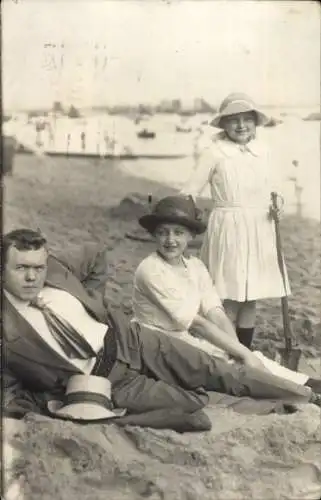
[(290, 357)]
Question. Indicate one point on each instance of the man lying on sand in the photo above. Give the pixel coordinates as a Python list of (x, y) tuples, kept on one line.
[(56, 325)]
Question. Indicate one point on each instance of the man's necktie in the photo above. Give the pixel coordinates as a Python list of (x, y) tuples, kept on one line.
[(70, 340)]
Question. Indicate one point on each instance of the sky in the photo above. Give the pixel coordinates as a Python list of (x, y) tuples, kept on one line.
[(106, 52)]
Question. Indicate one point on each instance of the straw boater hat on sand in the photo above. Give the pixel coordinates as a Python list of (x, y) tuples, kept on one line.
[(87, 398), (234, 104), (176, 210)]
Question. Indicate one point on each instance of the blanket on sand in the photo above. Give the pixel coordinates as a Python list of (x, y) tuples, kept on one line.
[(242, 457)]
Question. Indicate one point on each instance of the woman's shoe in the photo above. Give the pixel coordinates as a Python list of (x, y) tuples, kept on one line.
[(315, 399), (315, 384)]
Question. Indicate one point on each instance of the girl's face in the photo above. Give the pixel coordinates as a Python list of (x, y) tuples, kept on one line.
[(171, 241), (240, 128)]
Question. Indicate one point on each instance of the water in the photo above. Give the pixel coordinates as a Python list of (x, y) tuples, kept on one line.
[(295, 139)]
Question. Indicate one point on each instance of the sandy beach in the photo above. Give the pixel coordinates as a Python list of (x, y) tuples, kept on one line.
[(243, 457), (113, 100)]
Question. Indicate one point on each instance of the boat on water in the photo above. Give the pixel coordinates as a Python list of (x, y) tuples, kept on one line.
[(126, 154), (146, 134)]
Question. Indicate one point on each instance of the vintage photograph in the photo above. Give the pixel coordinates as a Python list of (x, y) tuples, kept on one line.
[(161, 333)]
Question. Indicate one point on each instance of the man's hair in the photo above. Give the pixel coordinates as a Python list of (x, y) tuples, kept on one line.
[(22, 239)]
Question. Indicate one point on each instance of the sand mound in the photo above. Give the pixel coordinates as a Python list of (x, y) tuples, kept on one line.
[(243, 457), (133, 206)]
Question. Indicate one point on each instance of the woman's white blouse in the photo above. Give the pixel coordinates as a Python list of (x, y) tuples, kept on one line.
[(169, 297)]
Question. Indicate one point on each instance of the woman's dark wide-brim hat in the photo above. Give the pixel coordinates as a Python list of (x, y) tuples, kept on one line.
[(174, 210), (234, 104)]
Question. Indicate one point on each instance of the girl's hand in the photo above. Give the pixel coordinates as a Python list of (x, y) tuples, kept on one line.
[(276, 208), (275, 213)]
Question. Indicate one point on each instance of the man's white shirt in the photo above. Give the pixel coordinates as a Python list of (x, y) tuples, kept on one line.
[(71, 310)]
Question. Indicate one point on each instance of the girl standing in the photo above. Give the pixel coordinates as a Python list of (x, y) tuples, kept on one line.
[(239, 247)]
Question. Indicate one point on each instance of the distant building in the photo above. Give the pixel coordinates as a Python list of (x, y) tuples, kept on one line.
[(201, 106), (165, 106)]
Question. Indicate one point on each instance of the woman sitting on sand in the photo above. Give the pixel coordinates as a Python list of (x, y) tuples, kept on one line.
[(174, 292)]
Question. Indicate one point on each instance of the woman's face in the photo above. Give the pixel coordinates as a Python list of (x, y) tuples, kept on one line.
[(240, 128), (171, 241)]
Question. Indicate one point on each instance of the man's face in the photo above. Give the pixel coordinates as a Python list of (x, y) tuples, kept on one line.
[(25, 272)]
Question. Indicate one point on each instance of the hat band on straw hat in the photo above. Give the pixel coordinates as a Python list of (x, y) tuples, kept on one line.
[(85, 397)]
